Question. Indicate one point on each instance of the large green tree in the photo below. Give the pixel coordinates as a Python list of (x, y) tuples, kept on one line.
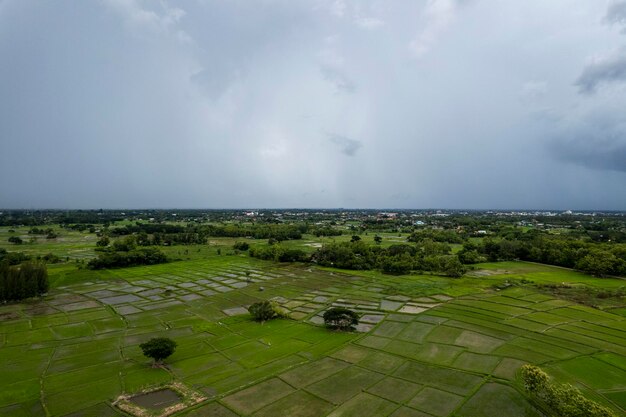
[(158, 348)]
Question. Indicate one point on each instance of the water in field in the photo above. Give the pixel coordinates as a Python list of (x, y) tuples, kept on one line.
[(157, 400)]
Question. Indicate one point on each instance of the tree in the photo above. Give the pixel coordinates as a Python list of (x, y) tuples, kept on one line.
[(143, 256), (265, 310), (398, 264), (452, 267), (355, 238), (534, 378), (17, 282), (378, 239), (15, 240), (470, 257), (158, 348), (103, 242), (563, 399), (600, 263), (340, 318), (127, 244)]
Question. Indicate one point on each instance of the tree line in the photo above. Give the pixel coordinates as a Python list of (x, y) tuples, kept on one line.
[(593, 258), (25, 280), (357, 255), (123, 253), (425, 255), (16, 258), (155, 234)]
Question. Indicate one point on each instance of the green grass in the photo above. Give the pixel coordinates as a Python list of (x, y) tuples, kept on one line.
[(297, 404), (364, 405), (258, 396), (396, 390), (495, 400), (593, 373), (345, 384), (435, 402)]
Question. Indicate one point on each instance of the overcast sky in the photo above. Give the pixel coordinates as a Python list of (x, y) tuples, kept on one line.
[(320, 103)]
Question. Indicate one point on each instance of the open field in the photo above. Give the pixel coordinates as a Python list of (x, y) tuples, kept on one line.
[(426, 346)]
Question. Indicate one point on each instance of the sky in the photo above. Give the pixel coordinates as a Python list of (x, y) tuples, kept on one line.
[(473, 104)]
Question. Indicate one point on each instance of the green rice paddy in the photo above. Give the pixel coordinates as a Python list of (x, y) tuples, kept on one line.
[(426, 345)]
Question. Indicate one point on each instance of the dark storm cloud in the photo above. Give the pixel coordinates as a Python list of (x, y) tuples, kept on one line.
[(596, 138), (616, 14), (200, 103), (599, 142), (606, 70), (347, 146)]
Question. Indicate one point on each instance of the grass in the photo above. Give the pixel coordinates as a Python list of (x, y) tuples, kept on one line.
[(435, 402), (77, 349), (496, 400), (258, 396), (344, 384), (297, 404), (395, 389), (364, 405)]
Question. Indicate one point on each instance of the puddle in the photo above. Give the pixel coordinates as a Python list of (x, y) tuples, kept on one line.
[(412, 309), (235, 311), (83, 305), (157, 400), (120, 299)]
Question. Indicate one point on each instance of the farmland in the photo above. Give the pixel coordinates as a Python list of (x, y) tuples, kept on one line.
[(426, 345), (316, 208)]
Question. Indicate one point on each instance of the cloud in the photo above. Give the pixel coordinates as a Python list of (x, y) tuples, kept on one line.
[(439, 15), (138, 18), (333, 66), (218, 120), (336, 76), (533, 90), (353, 12), (338, 8), (616, 14), (598, 141), (603, 70), (348, 146), (369, 22), (217, 79)]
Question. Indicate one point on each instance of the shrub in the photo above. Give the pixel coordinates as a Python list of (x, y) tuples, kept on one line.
[(158, 348), (340, 318), (51, 258), (243, 246), (265, 310), (16, 240), (13, 258)]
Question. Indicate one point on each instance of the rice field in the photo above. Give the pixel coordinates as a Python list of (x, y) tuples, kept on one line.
[(425, 345)]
